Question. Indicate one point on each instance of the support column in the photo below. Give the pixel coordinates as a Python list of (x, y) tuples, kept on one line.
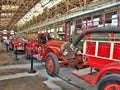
[(103, 19), (118, 14)]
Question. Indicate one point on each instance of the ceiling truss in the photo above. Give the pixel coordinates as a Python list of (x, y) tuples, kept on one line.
[(11, 11), (61, 8)]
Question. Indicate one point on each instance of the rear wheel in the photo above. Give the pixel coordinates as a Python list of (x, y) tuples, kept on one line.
[(110, 82), (52, 65)]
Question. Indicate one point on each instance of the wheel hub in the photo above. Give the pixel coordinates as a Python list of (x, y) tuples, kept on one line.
[(112, 87)]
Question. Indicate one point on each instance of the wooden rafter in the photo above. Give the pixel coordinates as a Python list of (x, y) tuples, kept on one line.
[(25, 5)]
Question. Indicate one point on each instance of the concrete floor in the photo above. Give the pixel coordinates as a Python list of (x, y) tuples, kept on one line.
[(14, 76)]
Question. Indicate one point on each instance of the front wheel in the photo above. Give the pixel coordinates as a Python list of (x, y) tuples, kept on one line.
[(52, 65), (110, 82)]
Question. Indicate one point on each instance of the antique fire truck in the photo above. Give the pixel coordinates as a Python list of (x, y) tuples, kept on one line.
[(17, 44), (101, 55), (53, 53)]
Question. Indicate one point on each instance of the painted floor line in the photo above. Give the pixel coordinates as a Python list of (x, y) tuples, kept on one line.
[(48, 82), (18, 75), (18, 66)]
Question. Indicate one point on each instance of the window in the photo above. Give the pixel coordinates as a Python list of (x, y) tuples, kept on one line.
[(78, 26), (87, 21), (114, 20), (111, 19), (97, 20), (4, 37), (4, 31), (11, 32)]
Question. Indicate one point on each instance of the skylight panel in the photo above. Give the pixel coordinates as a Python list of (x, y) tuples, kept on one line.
[(38, 9), (44, 2), (52, 3), (56, 2), (49, 5), (9, 7), (7, 14)]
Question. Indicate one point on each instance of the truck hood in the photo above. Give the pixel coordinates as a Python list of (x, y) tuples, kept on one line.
[(55, 43)]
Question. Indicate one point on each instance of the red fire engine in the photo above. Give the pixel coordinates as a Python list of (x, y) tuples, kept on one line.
[(17, 44), (53, 53), (101, 49)]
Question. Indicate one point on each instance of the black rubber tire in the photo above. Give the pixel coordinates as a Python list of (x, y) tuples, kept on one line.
[(109, 79), (55, 63)]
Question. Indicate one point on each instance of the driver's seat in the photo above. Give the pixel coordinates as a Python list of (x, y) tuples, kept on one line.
[(42, 39)]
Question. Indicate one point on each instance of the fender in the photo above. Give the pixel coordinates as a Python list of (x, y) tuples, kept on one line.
[(48, 49), (115, 66)]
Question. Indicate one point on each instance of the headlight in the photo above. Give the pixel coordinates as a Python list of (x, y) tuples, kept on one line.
[(65, 52), (78, 51)]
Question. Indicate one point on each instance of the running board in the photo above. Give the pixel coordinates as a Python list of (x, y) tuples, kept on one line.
[(85, 76)]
